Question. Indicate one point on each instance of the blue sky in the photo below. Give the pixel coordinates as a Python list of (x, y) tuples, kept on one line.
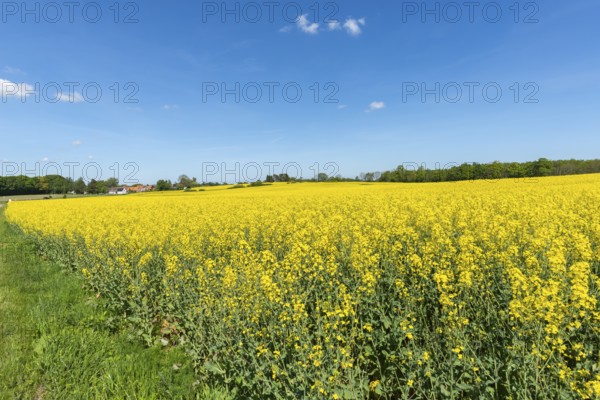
[(367, 59)]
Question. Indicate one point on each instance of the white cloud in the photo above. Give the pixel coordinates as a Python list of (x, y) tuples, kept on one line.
[(353, 26), (70, 97), (305, 26), (8, 89), (341, 106), (76, 142), (334, 25), (170, 107), (12, 70), (90, 157), (22, 90), (376, 105), (45, 159)]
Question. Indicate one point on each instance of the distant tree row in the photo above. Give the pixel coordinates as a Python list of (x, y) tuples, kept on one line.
[(56, 184), (278, 178), (475, 171), (184, 182), (321, 177), (52, 184)]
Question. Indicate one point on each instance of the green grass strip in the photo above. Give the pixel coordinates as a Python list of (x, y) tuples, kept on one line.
[(58, 342)]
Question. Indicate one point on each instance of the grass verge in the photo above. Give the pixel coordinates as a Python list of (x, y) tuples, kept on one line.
[(57, 341)]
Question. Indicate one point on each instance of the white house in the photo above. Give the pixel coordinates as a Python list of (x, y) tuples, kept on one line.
[(120, 190)]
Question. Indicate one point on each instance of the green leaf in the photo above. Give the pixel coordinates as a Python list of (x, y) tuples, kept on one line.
[(445, 391), (387, 322), (464, 386), (213, 368)]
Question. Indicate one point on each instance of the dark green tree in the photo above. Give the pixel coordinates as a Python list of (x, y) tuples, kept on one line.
[(79, 186), (163, 185)]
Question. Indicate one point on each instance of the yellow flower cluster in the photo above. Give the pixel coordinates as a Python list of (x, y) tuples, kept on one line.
[(325, 276)]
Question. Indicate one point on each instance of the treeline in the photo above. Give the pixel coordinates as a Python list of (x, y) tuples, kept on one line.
[(475, 171), (52, 184), (56, 184), (184, 182)]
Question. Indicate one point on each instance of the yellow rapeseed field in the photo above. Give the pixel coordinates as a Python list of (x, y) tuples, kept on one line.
[(484, 289)]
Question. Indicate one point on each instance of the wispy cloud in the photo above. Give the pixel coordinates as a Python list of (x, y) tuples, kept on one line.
[(353, 26), (170, 107), (23, 90), (306, 26), (70, 97), (12, 89), (12, 70), (341, 106), (334, 25), (76, 143), (376, 105)]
